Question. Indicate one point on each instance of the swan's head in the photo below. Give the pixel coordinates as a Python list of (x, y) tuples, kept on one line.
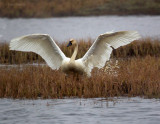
[(71, 42)]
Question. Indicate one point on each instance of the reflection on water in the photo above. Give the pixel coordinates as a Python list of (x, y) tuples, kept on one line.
[(90, 111), (63, 29)]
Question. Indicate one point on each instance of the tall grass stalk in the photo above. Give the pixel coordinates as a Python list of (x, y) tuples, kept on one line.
[(135, 77)]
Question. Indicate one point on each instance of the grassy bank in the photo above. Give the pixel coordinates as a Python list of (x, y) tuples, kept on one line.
[(52, 8), (137, 74), (135, 77)]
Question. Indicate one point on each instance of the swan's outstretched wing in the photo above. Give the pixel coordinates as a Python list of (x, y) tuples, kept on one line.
[(101, 49), (41, 44)]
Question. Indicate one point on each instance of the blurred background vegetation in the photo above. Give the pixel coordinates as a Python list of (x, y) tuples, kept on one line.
[(137, 49), (54, 8)]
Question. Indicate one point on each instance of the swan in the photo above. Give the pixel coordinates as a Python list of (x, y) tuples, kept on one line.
[(96, 56)]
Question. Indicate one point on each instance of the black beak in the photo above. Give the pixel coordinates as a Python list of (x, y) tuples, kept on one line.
[(69, 44)]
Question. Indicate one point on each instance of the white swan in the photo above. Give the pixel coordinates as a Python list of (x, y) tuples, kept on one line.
[(96, 56)]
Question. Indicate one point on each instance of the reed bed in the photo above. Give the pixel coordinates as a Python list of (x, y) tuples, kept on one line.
[(52, 8), (141, 48), (137, 73), (134, 77)]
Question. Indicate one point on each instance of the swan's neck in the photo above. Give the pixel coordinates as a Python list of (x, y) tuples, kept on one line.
[(74, 53)]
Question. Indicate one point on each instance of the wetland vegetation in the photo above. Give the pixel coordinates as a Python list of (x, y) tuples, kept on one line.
[(54, 8), (137, 74)]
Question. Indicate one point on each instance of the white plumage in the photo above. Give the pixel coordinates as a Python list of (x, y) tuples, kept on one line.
[(41, 44), (96, 56)]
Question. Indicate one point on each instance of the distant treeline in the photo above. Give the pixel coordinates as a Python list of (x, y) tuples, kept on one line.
[(54, 8)]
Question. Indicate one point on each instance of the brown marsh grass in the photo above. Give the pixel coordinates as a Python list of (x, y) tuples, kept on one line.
[(138, 74), (135, 77), (139, 48), (52, 8)]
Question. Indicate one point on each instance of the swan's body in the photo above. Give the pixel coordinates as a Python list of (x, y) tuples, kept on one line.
[(72, 67), (96, 56)]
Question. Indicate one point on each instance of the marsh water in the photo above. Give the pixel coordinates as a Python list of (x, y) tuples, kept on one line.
[(86, 111), (62, 29), (121, 110)]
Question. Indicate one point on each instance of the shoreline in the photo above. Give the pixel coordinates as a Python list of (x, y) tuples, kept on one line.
[(54, 8), (83, 16)]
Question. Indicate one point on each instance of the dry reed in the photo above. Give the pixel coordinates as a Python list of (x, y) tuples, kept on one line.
[(52, 8), (139, 48), (138, 74), (135, 77)]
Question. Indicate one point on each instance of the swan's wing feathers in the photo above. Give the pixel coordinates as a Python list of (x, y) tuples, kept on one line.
[(101, 49), (41, 44), (121, 38), (97, 55)]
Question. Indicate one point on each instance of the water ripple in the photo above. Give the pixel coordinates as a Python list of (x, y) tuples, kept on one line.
[(84, 111)]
